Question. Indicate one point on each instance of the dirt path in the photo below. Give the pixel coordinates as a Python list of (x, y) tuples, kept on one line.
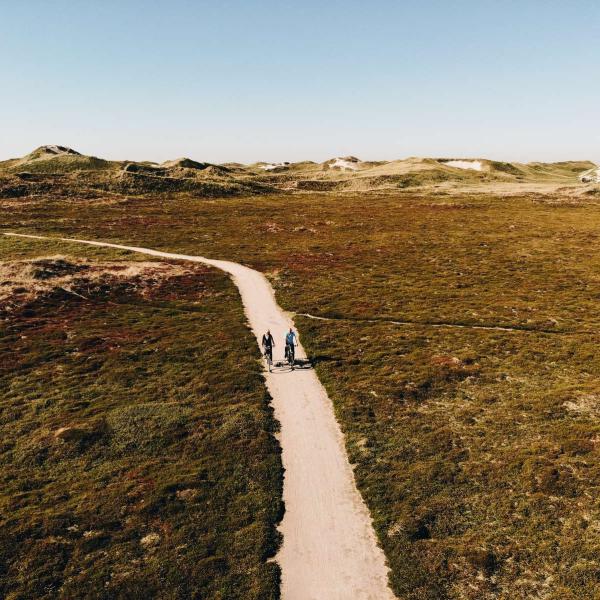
[(329, 549), (442, 325)]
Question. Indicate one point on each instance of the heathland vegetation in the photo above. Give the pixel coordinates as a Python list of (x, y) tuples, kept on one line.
[(138, 456), (459, 352)]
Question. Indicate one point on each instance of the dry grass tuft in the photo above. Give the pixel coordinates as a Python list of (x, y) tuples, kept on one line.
[(25, 280)]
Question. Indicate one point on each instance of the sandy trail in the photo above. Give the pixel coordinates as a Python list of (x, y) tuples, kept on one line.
[(329, 549)]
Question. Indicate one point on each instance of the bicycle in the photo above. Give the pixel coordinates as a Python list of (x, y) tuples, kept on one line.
[(290, 355), (269, 357)]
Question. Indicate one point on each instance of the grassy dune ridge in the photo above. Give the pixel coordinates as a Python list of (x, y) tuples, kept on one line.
[(475, 450), (66, 170), (137, 456)]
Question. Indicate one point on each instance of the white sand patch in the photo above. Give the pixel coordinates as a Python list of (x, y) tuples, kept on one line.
[(54, 149), (590, 176), (474, 165), (271, 166), (342, 163)]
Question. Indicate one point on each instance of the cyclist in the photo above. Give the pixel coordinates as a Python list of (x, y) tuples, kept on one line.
[(267, 344), (290, 342)]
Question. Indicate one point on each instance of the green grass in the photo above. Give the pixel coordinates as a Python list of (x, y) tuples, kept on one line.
[(137, 456), (475, 450)]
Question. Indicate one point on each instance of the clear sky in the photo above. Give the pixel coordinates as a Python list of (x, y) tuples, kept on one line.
[(249, 80)]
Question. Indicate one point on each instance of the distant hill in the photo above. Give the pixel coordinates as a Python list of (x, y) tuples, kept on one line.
[(344, 173), (69, 172), (56, 159), (352, 174)]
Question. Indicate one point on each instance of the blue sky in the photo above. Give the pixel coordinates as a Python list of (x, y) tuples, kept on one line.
[(244, 81)]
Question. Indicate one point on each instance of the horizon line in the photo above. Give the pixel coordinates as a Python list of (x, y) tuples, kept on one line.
[(387, 160)]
